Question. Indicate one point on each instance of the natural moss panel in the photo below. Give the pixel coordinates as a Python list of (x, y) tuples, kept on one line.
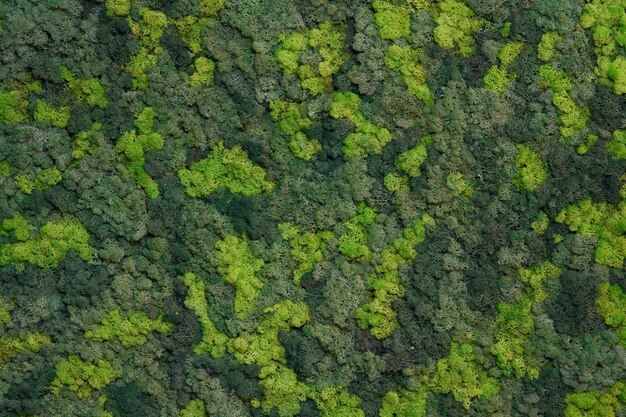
[(83, 377), (131, 330)]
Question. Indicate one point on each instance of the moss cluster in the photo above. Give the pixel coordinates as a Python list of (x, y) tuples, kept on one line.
[(611, 303), (498, 78), (149, 31), (532, 170), (89, 91), (13, 346), (57, 117), (130, 331), (392, 21), (354, 244), (294, 124), (596, 403), (456, 24), (307, 248), (83, 377), (406, 61)]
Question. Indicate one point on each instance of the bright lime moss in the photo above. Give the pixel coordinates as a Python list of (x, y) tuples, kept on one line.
[(411, 161), (541, 223), (211, 7), (336, 401), (130, 331), (328, 40), (41, 180), (369, 138), (583, 148), (395, 183), (57, 117), (204, 72), (280, 384), (532, 170), (611, 303), (545, 49), (18, 226), (48, 246), (460, 375), (392, 21), (14, 102), (597, 403), (406, 61), (149, 31), (135, 144), (190, 30), (602, 221), (294, 124), (307, 248), (195, 408), (404, 403), (515, 323), (617, 146), (497, 78), (459, 185), (572, 119), (83, 377), (224, 168), (11, 347), (213, 341), (89, 91), (456, 24), (385, 285), (606, 20), (354, 244), (117, 8), (239, 267), (83, 141)]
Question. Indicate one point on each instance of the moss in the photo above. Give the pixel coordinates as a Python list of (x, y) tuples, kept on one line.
[(611, 303), (354, 244), (195, 408), (224, 168), (204, 72), (13, 107), (41, 180), (133, 146), (406, 61), (18, 226), (10, 347), (505, 32), (149, 30), (497, 78), (583, 148), (48, 246), (83, 141), (336, 401), (545, 49), (456, 24), (459, 185), (532, 170), (596, 403), (83, 377), (385, 286), (617, 146), (89, 91), (131, 331), (404, 403), (392, 21), (411, 161), (369, 138), (57, 117), (190, 30), (294, 124), (602, 221), (395, 183), (541, 223), (307, 248), (239, 267), (5, 169), (213, 341), (117, 8), (211, 7)]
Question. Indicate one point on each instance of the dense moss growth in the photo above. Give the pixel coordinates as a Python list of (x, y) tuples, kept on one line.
[(130, 331)]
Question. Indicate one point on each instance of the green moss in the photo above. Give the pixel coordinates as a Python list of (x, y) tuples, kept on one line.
[(57, 117), (133, 146), (48, 246), (456, 24), (611, 303), (224, 168), (149, 31), (5, 169), (505, 32), (131, 331), (117, 8), (541, 223), (83, 377), (211, 7), (596, 403), (336, 401), (459, 185), (369, 138), (307, 248), (294, 124), (583, 148), (354, 244), (385, 285), (497, 78), (195, 408), (411, 161), (18, 226), (190, 30), (602, 221), (213, 341), (404, 403), (392, 21), (406, 61), (13, 107), (459, 374), (83, 141), (10, 347), (238, 266), (617, 146), (5, 312), (545, 49), (395, 183), (41, 180), (204, 72), (532, 170), (89, 91)]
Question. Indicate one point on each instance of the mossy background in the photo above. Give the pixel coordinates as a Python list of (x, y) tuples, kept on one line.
[(196, 223)]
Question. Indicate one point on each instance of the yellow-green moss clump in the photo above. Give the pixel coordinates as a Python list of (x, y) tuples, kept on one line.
[(149, 31), (83, 377), (224, 168), (10, 347), (498, 78), (369, 138), (532, 170), (117, 8), (14, 102), (392, 21), (131, 330), (239, 267), (307, 248), (596, 403), (456, 24), (611, 303), (404, 403), (57, 117), (545, 49), (204, 73), (89, 91), (134, 146), (406, 61), (195, 408), (354, 244), (294, 124)]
